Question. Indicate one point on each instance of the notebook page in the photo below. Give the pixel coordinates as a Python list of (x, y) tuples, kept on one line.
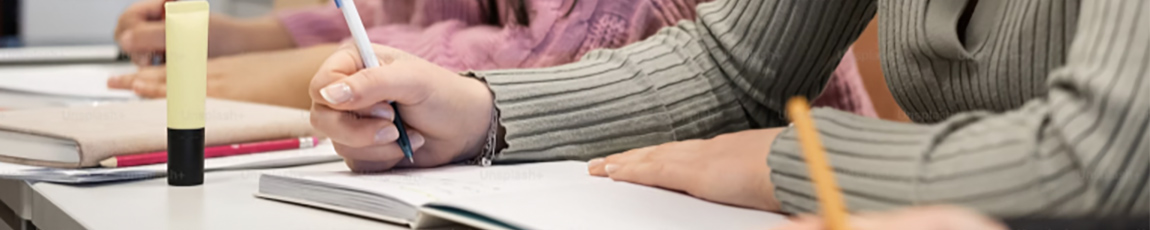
[(608, 204), (421, 186)]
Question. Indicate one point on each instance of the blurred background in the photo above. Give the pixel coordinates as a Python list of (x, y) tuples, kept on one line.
[(32, 23), (33, 27)]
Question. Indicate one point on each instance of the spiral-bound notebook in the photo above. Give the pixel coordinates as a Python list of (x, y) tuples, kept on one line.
[(553, 195)]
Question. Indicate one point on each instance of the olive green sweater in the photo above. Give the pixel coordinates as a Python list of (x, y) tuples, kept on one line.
[(1033, 107)]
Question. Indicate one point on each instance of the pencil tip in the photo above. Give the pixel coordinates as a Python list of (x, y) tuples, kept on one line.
[(108, 163)]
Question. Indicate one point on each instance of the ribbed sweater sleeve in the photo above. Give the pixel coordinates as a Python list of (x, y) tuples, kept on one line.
[(730, 69), (1080, 150)]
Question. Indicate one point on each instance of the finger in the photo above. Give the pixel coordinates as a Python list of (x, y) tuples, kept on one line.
[(149, 90), (373, 153), (950, 217), (360, 166), (380, 110), (140, 12), (679, 177), (678, 152), (597, 166), (351, 129), (152, 75), (343, 63), (121, 82), (805, 222), (144, 38), (401, 84), (149, 82), (371, 157), (632, 156), (339, 65)]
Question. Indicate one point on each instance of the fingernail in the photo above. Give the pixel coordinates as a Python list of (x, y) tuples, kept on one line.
[(595, 163), (387, 134), (611, 168), (382, 113), (113, 81), (416, 140), (336, 94)]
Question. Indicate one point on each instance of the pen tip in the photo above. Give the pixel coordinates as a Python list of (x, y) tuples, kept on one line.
[(411, 159)]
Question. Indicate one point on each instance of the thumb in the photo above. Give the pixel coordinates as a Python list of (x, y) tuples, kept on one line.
[(145, 38), (400, 83)]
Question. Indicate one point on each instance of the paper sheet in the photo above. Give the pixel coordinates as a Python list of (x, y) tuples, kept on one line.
[(59, 54), (550, 195), (612, 205), (320, 154), (421, 186), (81, 81)]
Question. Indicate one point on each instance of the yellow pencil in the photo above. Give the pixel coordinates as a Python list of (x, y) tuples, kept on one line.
[(831, 204)]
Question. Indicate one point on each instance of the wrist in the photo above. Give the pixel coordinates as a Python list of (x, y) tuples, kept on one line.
[(491, 141), (483, 151)]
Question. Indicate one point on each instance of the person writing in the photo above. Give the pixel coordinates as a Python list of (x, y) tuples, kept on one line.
[(1023, 108)]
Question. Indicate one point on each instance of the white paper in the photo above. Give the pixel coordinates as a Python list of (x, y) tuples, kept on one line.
[(550, 195), (59, 53), (612, 205), (81, 81), (320, 154), (421, 186)]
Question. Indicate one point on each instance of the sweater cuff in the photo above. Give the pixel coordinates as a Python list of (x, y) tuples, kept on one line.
[(612, 101), (875, 162)]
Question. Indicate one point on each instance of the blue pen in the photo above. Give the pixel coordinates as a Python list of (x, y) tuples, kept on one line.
[(359, 35)]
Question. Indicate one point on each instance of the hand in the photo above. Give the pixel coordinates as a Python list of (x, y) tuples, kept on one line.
[(278, 77), (730, 168), (919, 218), (447, 116), (140, 32)]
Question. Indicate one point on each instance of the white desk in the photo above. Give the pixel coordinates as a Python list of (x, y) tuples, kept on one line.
[(225, 201)]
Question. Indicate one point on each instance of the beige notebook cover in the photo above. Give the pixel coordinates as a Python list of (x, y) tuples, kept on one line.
[(96, 133)]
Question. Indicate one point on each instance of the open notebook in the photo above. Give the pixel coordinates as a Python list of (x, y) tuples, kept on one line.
[(553, 195)]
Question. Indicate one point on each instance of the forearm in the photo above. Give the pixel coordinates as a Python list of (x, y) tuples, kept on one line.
[(274, 77), (1080, 150), (296, 84), (698, 79), (613, 100)]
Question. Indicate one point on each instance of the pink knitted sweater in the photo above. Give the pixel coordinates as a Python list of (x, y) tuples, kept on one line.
[(465, 35)]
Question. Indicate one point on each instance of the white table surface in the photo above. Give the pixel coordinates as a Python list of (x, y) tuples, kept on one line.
[(224, 201), (16, 195)]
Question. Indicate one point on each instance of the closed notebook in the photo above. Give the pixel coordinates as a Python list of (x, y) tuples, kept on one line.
[(82, 136), (551, 195)]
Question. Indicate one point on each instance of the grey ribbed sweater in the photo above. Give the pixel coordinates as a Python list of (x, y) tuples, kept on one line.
[(1038, 108)]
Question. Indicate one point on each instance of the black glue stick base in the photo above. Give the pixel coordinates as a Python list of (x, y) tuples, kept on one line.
[(185, 157)]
